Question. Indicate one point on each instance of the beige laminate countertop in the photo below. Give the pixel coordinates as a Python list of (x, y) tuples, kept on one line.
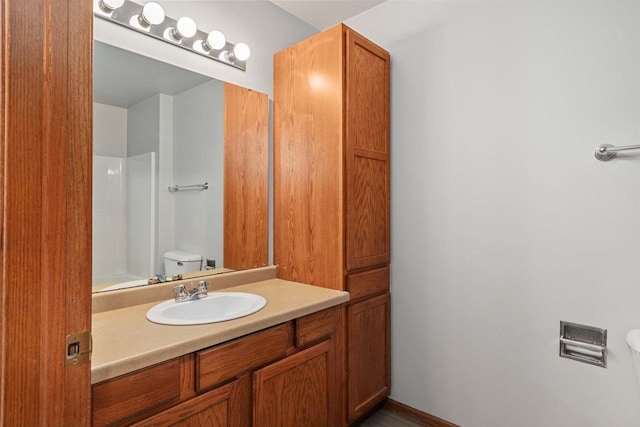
[(125, 341)]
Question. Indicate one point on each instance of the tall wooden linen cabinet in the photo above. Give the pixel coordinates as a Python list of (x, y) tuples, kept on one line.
[(331, 192)]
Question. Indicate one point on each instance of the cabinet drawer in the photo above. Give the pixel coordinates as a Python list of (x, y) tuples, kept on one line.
[(368, 282), (131, 395), (315, 327), (227, 361)]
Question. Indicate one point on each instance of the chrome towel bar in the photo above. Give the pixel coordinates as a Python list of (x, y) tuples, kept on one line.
[(606, 152), (204, 186)]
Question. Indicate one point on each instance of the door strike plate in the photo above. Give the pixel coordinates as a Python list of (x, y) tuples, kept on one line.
[(78, 348)]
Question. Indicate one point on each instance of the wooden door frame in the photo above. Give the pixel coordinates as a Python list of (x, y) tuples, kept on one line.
[(45, 209)]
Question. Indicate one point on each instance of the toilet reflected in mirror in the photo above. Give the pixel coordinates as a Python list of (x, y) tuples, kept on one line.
[(181, 262)]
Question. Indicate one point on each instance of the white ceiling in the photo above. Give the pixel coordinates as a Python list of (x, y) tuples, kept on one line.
[(323, 14), (320, 14)]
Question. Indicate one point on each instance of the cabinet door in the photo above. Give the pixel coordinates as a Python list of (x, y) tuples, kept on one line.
[(307, 166), (368, 354), (367, 153), (221, 407), (246, 139), (297, 391)]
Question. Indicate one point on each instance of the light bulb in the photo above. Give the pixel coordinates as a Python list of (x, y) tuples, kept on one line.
[(185, 27), (241, 51), (152, 14), (215, 41), (109, 6)]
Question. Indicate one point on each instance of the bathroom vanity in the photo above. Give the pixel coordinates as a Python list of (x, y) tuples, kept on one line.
[(279, 366), (315, 355)]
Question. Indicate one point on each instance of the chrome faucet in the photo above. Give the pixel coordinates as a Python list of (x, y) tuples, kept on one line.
[(161, 278), (182, 294)]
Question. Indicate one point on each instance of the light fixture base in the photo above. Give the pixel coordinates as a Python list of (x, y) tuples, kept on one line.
[(122, 16)]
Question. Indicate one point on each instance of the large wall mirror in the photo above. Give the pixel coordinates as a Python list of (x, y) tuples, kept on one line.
[(179, 171)]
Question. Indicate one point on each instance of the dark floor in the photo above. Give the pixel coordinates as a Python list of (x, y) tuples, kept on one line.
[(385, 418)]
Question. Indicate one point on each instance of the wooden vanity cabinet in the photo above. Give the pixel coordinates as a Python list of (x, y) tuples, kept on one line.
[(276, 377), (332, 191), (221, 407)]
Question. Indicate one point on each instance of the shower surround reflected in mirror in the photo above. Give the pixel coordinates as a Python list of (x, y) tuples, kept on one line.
[(124, 212), (156, 126)]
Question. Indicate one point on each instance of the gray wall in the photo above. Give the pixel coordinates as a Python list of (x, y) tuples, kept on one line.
[(165, 223), (143, 127), (109, 130), (198, 149), (503, 223)]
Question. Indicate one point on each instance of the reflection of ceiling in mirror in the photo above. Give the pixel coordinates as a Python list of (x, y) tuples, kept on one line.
[(114, 83)]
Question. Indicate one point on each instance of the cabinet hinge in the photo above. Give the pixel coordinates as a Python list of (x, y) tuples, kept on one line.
[(78, 348)]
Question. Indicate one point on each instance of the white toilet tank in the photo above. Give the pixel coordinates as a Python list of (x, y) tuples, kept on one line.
[(180, 262)]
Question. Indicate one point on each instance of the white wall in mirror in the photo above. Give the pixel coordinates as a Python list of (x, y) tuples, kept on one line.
[(110, 132), (197, 151)]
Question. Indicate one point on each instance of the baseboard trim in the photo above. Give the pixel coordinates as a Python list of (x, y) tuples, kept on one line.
[(415, 415)]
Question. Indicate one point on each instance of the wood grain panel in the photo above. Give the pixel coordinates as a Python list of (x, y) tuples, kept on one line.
[(46, 166), (241, 402), (308, 152), (368, 363), (75, 285), (187, 376), (227, 361), (212, 409), (367, 84), (315, 327), (368, 213), (297, 391), (246, 151), (368, 283), (340, 342), (22, 171), (367, 153), (132, 395)]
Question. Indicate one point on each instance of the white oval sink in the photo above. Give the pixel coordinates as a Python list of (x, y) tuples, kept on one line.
[(215, 307)]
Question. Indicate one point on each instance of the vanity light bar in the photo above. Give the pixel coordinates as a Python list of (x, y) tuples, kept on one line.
[(151, 20)]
